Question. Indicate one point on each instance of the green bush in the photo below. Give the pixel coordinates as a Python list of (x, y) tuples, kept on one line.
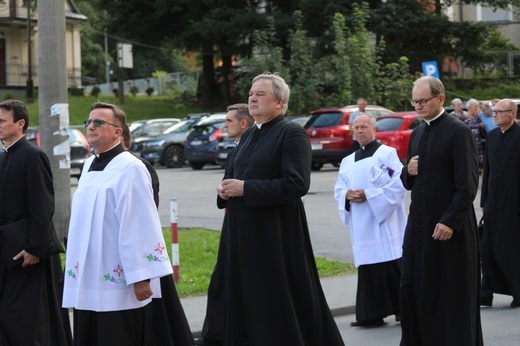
[(75, 91), (149, 91), (134, 90), (8, 96), (95, 91), (116, 92)]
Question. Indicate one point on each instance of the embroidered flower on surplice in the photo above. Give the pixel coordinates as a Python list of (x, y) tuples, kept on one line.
[(159, 249), (74, 272), (116, 278)]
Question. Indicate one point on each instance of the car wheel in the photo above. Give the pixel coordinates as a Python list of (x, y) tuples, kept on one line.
[(197, 165), (336, 164), (174, 157), (315, 166)]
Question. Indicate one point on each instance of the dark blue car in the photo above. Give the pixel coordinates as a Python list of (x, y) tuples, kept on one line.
[(202, 143)]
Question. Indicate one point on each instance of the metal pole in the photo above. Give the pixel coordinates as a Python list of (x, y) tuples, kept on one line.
[(175, 239)]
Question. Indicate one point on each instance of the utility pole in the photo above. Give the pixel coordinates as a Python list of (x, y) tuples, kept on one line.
[(29, 94), (52, 73)]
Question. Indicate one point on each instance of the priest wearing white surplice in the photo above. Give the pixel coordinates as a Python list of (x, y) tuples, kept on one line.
[(371, 198), (116, 251)]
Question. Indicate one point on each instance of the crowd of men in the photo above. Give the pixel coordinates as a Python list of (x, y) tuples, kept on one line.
[(430, 268)]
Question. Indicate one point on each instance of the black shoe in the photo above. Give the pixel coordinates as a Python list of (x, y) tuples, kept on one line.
[(515, 304), (368, 323)]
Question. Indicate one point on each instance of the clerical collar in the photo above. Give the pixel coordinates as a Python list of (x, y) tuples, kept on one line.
[(103, 159), (438, 116), (366, 151), (7, 148), (106, 151), (259, 126)]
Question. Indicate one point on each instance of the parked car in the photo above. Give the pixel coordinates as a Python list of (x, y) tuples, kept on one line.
[(151, 127), (395, 130), (299, 120), (224, 147), (330, 134), (202, 143), (168, 148), (79, 148)]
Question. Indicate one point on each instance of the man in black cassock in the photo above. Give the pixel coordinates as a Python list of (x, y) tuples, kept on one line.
[(272, 292), (500, 198), (169, 324), (30, 311), (238, 120), (441, 266)]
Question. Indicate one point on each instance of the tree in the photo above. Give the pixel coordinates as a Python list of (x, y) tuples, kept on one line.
[(362, 55), (302, 77), (336, 78)]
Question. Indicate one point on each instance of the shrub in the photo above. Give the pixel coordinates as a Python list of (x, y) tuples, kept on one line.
[(134, 90), (116, 92), (75, 91), (95, 91), (8, 96), (149, 91)]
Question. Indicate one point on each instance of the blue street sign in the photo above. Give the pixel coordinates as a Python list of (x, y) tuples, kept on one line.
[(430, 69)]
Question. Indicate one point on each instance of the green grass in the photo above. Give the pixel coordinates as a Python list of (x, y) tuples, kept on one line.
[(140, 107), (198, 253)]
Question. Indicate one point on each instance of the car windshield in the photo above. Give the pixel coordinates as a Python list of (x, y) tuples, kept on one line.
[(324, 120), (388, 124), (205, 130), (182, 126)]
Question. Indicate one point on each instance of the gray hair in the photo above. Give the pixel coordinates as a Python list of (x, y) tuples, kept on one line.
[(486, 107), (456, 101), (471, 103), (280, 89), (436, 86), (372, 120)]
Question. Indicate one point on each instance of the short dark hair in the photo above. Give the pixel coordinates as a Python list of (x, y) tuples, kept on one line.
[(118, 112), (19, 109), (242, 112), (127, 136)]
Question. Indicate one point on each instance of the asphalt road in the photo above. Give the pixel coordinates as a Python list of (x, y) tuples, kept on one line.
[(195, 194)]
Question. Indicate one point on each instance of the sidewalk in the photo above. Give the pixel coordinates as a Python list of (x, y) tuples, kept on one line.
[(340, 292)]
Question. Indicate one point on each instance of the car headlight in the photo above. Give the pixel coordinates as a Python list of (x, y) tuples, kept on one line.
[(153, 144)]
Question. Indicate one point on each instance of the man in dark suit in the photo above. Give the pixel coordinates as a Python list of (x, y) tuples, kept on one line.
[(238, 120), (30, 312), (441, 265)]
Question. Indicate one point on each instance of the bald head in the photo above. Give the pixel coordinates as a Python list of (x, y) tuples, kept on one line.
[(364, 129), (505, 114)]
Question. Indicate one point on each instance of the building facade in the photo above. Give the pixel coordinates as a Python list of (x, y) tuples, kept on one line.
[(19, 44)]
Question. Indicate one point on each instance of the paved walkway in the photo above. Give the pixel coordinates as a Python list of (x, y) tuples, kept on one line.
[(340, 292)]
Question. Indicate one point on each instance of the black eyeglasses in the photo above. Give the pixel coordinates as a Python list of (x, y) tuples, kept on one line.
[(499, 112), (422, 102), (97, 123)]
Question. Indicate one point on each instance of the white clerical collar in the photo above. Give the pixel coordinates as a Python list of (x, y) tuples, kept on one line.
[(265, 122), (7, 148), (97, 155), (429, 121)]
